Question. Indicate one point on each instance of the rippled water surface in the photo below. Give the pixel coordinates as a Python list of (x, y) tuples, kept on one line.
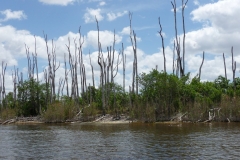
[(120, 141)]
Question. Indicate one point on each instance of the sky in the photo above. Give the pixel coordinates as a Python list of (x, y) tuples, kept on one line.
[(212, 26)]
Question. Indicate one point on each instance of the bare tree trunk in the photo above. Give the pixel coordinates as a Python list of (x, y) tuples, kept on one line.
[(14, 79), (80, 59), (233, 70), (93, 82), (47, 84), (35, 59), (53, 67), (76, 73), (177, 40), (4, 66), (200, 69), (184, 34), (66, 74), (133, 38), (160, 32), (60, 82), (124, 66), (100, 63), (225, 67), (173, 67)]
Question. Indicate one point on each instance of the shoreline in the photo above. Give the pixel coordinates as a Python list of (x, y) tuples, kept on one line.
[(107, 119)]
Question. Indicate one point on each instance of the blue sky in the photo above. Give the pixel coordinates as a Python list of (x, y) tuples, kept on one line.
[(211, 26)]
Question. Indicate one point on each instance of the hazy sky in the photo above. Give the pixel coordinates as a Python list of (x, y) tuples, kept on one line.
[(212, 26)]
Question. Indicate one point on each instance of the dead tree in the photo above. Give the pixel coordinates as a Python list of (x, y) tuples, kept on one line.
[(72, 69), (114, 40), (233, 70), (47, 78), (85, 82), (4, 66), (184, 33), (124, 67), (80, 60), (93, 82), (30, 67), (101, 64), (200, 69), (225, 67), (160, 33), (181, 62), (173, 66), (76, 73), (60, 83), (66, 75), (115, 69), (52, 67), (14, 80), (36, 65), (133, 38)]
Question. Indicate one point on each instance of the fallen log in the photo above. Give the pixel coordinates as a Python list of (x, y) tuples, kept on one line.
[(9, 121)]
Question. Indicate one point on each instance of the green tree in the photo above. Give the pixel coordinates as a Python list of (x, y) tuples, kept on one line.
[(28, 98)]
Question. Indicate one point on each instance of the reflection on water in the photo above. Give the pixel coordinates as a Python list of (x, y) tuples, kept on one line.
[(120, 141)]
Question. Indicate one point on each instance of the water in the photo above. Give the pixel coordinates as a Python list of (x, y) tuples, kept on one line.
[(120, 141)]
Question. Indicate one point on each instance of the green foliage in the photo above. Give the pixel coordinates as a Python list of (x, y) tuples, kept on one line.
[(160, 90), (31, 96)]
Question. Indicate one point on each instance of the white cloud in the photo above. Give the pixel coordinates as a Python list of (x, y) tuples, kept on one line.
[(112, 16), (102, 3), (126, 30), (90, 15), (222, 30), (222, 14), (57, 2), (105, 37), (196, 2), (13, 43), (9, 14)]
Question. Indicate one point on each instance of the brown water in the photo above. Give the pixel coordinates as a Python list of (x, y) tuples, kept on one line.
[(120, 141)]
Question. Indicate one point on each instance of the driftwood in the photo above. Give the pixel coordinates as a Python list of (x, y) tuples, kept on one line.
[(9, 121), (211, 116), (178, 117), (22, 120)]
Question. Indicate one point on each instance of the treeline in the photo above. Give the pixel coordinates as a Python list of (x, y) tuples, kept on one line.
[(154, 96)]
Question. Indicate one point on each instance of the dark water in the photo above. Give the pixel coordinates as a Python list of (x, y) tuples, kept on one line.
[(120, 141)]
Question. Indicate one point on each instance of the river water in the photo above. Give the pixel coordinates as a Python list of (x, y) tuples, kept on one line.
[(120, 141)]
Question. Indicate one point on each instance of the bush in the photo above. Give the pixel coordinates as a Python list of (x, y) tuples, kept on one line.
[(58, 112)]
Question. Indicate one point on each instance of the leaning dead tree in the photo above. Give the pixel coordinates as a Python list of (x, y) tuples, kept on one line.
[(200, 68), (133, 38), (225, 67), (163, 48), (180, 58)]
